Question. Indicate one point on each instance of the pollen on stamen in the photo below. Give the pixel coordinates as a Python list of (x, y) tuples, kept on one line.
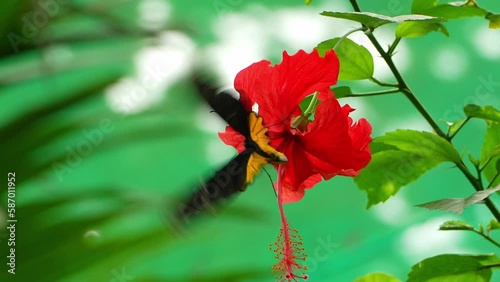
[(289, 250)]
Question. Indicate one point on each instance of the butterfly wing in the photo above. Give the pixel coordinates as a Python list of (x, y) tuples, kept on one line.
[(235, 176), (229, 180), (225, 105)]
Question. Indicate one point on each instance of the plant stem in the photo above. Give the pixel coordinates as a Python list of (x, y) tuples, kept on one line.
[(374, 93), (487, 238), (485, 164), (493, 180), (413, 99), (347, 34), (403, 87), (402, 84), (355, 6), (393, 46), (376, 81), (479, 178), (458, 129), (477, 185), (492, 265)]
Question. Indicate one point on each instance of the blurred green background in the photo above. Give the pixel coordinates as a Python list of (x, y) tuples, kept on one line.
[(105, 134)]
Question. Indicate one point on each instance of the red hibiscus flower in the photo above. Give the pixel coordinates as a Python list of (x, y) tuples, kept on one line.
[(330, 144)]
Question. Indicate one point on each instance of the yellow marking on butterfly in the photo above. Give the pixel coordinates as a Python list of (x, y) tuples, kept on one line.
[(258, 135)]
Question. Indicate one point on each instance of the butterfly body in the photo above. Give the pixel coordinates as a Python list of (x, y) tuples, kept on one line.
[(241, 170)]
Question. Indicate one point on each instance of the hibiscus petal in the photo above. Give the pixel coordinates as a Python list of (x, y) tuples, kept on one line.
[(325, 94), (340, 148), (257, 84), (311, 181), (305, 73), (279, 89), (360, 135), (331, 146), (294, 79), (296, 169), (328, 138), (298, 174), (233, 138), (253, 81), (291, 196)]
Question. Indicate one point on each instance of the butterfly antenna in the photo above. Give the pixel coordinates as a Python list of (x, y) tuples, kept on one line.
[(267, 127), (285, 118), (271, 180)]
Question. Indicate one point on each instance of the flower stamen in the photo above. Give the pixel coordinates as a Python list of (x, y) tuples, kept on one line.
[(288, 246)]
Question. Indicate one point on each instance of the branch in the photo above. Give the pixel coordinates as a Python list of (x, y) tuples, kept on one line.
[(393, 46), (403, 87), (459, 128), (402, 84), (485, 236), (376, 81), (374, 93), (477, 185)]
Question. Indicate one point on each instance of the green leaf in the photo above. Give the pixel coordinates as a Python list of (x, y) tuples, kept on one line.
[(456, 268), (448, 11), (424, 143), (342, 91), (356, 62), (417, 18), (495, 152), (388, 171), (456, 125), (373, 20), (479, 196), (490, 152), (451, 205), (379, 147), (452, 12), (416, 29), (399, 158), (455, 225), (307, 2), (326, 45), (488, 113), (490, 261), (422, 5), (377, 277), (493, 225), (494, 20), (473, 160), (458, 205)]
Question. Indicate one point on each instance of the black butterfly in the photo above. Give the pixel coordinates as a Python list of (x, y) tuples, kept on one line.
[(240, 171)]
